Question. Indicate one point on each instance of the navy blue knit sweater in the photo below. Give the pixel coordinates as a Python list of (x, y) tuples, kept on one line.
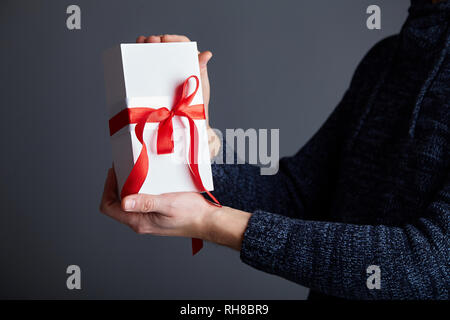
[(372, 186)]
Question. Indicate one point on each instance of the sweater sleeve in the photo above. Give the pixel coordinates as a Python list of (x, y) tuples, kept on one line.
[(333, 258), (302, 181)]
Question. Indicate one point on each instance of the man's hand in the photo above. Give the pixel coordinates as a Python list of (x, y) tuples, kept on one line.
[(185, 214), (170, 214), (203, 58)]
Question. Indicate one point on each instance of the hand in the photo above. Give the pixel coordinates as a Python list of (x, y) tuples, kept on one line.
[(170, 214), (185, 214), (203, 58)]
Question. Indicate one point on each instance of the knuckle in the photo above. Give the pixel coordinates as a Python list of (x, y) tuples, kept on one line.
[(148, 205)]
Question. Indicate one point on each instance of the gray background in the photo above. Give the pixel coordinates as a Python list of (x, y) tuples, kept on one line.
[(277, 64)]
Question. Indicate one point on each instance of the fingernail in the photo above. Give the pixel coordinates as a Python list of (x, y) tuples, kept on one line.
[(129, 204)]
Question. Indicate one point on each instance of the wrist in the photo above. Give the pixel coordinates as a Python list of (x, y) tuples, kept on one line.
[(225, 226), (200, 223)]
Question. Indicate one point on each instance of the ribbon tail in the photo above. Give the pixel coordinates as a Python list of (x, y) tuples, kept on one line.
[(197, 244), (193, 160), (138, 174)]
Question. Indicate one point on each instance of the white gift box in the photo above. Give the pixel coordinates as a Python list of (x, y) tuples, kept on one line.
[(146, 75)]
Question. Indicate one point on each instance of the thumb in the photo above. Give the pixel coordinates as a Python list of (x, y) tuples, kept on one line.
[(143, 203), (203, 58)]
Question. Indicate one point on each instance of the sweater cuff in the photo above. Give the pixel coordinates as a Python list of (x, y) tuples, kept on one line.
[(265, 239)]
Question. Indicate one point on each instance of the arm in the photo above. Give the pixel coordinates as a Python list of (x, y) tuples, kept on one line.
[(333, 257)]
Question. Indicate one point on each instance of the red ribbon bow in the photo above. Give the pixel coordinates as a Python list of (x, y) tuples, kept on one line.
[(165, 145)]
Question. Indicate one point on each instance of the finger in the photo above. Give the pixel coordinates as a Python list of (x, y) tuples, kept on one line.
[(115, 211), (110, 193), (140, 39), (204, 57), (110, 204), (153, 39), (174, 38), (144, 203)]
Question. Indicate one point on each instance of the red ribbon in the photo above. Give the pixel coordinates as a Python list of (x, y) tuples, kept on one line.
[(164, 145)]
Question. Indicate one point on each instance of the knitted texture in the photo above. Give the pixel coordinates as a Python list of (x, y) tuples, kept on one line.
[(372, 186)]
